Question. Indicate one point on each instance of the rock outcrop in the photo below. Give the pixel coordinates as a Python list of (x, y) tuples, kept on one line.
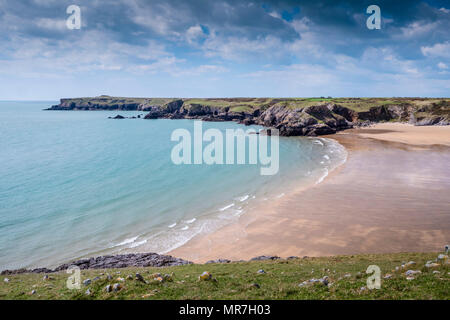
[(282, 114), (113, 261)]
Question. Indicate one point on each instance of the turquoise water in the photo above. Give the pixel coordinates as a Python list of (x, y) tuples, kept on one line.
[(76, 184)]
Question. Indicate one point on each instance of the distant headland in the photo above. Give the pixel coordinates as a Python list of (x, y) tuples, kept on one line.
[(291, 116)]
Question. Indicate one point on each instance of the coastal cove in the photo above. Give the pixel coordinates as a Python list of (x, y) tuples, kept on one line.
[(391, 195), (76, 184)]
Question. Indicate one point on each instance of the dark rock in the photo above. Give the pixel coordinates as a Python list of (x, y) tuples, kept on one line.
[(118, 117), (218, 261), (140, 278), (262, 258), (113, 261), (248, 122)]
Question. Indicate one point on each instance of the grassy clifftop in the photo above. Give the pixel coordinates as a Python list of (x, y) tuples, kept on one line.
[(291, 116), (280, 279), (247, 104)]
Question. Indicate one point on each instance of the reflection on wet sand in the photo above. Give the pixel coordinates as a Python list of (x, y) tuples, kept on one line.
[(387, 197)]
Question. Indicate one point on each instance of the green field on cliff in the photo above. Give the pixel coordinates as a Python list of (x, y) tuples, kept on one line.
[(281, 278), (427, 106)]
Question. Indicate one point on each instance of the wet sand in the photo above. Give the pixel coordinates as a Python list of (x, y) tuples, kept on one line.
[(388, 197)]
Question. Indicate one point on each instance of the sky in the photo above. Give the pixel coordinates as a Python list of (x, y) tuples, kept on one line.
[(223, 48)]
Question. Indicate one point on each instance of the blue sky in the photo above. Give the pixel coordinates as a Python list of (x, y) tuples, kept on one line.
[(223, 48)]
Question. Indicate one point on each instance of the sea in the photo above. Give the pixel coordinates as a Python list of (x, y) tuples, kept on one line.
[(76, 184)]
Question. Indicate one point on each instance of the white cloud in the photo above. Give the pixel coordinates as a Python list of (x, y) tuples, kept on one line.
[(442, 65), (418, 28), (51, 24), (444, 10), (193, 33), (387, 61), (438, 50)]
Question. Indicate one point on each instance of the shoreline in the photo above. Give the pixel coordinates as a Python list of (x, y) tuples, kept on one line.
[(343, 215)]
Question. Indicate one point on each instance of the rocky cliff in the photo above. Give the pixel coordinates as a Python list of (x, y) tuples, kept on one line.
[(292, 117)]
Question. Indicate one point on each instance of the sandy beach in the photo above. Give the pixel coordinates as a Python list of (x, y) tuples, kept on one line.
[(390, 196)]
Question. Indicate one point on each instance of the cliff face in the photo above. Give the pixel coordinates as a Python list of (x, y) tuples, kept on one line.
[(292, 117)]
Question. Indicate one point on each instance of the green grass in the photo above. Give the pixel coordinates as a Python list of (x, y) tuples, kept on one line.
[(249, 104), (234, 281)]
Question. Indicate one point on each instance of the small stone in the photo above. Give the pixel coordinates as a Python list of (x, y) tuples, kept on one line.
[(117, 272), (411, 263), (108, 288), (260, 271), (33, 291), (205, 276), (412, 272), (358, 275), (139, 277), (88, 292), (87, 282), (387, 276), (45, 278), (362, 289), (431, 265), (129, 277), (6, 280), (96, 278), (116, 287), (436, 272), (120, 279), (325, 281), (304, 283), (442, 257), (410, 278), (168, 277), (347, 275), (255, 285)]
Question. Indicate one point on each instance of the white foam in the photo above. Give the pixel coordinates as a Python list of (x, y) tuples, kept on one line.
[(280, 195), (326, 157), (126, 241), (185, 228), (172, 225), (241, 199), (318, 142), (227, 207), (137, 244), (323, 176), (191, 221)]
